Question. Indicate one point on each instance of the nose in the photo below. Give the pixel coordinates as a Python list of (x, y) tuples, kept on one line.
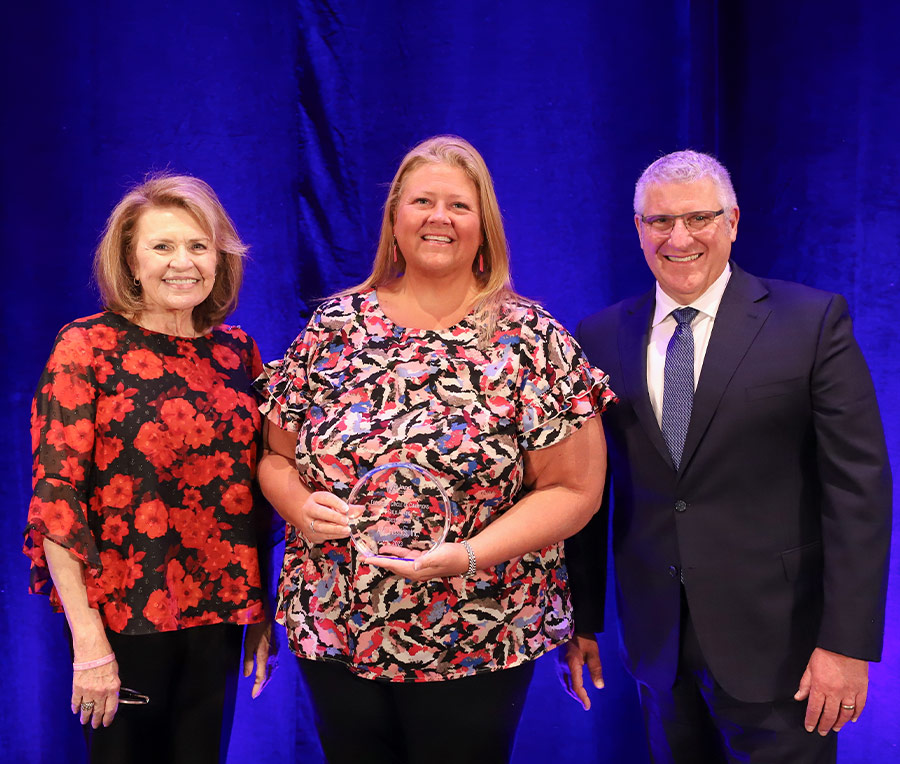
[(180, 257), (679, 236), (439, 213)]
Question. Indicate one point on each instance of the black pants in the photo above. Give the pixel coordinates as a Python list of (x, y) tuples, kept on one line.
[(697, 722), (466, 720), (191, 678)]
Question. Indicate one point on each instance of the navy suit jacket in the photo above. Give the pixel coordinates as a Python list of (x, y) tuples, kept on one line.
[(779, 517)]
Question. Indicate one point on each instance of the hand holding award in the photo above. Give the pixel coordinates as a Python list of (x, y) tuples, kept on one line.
[(398, 510)]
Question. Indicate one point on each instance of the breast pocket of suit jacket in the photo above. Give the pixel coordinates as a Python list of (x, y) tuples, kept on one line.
[(797, 386)]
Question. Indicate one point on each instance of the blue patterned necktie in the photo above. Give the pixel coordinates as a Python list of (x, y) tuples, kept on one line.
[(678, 384)]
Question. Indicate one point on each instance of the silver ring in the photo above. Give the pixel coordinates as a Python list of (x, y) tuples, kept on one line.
[(87, 705), (848, 708), (312, 525)]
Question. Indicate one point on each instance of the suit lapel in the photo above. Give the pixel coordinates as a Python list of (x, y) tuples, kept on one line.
[(740, 317), (634, 334)]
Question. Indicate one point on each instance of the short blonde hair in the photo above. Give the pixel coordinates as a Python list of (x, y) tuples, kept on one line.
[(112, 260), (495, 281)]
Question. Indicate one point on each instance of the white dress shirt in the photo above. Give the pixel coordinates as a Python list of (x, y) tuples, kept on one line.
[(663, 328)]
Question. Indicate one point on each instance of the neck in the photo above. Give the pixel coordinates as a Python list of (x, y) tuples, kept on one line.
[(425, 303), (178, 323)]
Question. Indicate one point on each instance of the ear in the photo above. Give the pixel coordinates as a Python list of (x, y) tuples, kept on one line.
[(733, 223), (640, 229)]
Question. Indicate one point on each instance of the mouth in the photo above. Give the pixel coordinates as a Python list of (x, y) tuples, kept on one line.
[(180, 282), (683, 258), (437, 238)]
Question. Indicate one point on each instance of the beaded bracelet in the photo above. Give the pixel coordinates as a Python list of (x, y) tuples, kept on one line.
[(472, 563), (85, 665)]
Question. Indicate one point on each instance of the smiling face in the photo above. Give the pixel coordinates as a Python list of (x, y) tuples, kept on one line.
[(437, 223), (686, 264), (175, 261)]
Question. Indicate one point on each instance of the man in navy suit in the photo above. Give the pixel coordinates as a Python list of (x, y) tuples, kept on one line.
[(751, 494)]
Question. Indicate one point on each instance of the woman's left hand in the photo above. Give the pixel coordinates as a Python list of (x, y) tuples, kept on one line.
[(260, 646), (446, 560)]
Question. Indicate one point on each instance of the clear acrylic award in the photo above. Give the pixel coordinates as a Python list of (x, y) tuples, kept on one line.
[(398, 510)]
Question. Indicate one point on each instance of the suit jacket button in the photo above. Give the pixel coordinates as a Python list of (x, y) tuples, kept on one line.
[(673, 571), (680, 506)]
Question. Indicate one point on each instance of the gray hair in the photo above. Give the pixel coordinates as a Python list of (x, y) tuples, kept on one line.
[(686, 167)]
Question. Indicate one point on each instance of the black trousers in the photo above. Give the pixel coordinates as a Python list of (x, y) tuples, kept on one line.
[(191, 678), (466, 720), (697, 722)]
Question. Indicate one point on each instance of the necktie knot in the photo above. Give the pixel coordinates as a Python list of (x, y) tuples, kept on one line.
[(685, 315)]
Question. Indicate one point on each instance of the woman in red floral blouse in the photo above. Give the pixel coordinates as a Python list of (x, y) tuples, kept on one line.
[(144, 525), (433, 360)]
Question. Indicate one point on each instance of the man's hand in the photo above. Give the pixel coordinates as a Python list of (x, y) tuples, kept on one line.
[(578, 651), (836, 687), (261, 648)]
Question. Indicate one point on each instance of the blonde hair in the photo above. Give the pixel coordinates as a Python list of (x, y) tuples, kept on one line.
[(112, 260), (495, 282)]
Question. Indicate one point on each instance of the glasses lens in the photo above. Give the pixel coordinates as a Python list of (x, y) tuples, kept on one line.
[(697, 221), (660, 223)]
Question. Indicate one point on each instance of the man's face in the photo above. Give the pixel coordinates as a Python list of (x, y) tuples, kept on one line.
[(684, 263)]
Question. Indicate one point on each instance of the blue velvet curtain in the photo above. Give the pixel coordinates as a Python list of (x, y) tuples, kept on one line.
[(298, 114)]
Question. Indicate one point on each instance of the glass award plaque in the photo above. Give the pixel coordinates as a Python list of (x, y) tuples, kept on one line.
[(398, 510)]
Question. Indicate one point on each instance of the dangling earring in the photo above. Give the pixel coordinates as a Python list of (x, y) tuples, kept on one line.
[(395, 250), (480, 261)]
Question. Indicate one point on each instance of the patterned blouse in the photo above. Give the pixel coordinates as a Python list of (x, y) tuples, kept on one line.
[(145, 449), (362, 392)]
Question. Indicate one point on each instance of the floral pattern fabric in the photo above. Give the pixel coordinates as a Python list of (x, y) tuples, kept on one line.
[(145, 448), (362, 392)]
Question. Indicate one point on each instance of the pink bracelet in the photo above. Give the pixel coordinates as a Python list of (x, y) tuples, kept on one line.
[(84, 666)]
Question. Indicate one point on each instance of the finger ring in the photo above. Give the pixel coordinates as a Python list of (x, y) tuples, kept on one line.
[(849, 708), (87, 705), (312, 525)]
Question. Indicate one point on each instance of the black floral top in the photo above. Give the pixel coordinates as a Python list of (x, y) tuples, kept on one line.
[(363, 392), (145, 449)]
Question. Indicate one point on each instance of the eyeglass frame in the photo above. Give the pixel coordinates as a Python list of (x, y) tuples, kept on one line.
[(648, 220)]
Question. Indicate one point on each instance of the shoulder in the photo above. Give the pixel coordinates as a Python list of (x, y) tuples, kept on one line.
[(786, 296), (801, 294), (335, 312), (608, 318), (231, 335), (99, 332), (519, 312)]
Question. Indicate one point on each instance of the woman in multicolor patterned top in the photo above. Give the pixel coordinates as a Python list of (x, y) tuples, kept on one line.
[(432, 360), (145, 523)]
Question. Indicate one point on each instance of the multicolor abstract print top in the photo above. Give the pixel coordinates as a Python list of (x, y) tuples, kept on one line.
[(362, 392), (145, 449)]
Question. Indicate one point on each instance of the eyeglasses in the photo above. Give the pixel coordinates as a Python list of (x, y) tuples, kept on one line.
[(693, 221), (132, 698)]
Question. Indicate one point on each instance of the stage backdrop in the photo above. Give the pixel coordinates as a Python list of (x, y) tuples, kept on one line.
[(298, 113)]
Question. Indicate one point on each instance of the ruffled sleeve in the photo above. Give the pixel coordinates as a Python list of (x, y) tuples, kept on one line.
[(558, 389), (62, 436), (283, 383)]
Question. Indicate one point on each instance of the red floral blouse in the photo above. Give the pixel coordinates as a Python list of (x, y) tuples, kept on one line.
[(145, 448)]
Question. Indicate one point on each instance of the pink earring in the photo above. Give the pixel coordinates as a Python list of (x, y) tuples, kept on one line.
[(395, 250), (480, 262)]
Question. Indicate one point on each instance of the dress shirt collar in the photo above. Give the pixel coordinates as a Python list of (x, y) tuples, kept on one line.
[(707, 303)]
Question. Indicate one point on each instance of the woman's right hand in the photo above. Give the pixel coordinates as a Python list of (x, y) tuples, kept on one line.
[(324, 516), (100, 685)]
